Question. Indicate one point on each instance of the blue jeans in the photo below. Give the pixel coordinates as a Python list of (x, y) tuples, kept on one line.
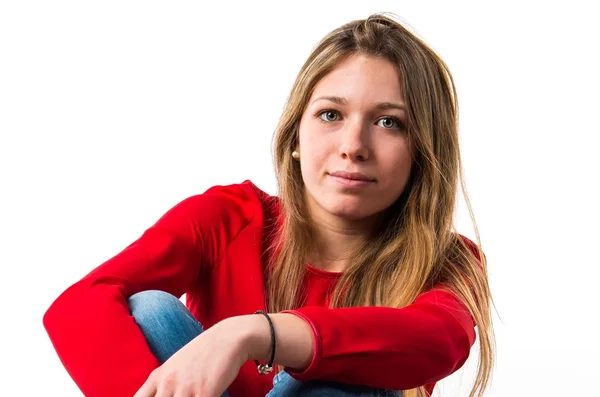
[(168, 326)]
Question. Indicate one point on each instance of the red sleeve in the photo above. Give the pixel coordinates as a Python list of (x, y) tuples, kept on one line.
[(90, 325), (389, 348)]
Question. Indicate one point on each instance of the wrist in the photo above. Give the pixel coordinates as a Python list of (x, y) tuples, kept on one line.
[(252, 336), (295, 339)]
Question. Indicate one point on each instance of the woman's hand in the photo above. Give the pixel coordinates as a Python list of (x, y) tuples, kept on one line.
[(205, 367)]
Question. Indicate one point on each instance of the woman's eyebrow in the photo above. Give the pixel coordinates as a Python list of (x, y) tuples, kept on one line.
[(343, 101), (390, 105), (334, 99)]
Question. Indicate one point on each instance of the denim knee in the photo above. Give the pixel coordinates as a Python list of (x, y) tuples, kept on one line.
[(285, 386), (148, 305), (164, 320)]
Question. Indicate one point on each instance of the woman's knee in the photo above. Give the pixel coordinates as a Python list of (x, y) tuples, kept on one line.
[(164, 320), (285, 386), (150, 303), (154, 308)]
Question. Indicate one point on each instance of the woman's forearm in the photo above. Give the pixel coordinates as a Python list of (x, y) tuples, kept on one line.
[(294, 339)]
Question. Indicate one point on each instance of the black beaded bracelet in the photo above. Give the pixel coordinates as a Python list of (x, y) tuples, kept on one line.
[(265, 369)]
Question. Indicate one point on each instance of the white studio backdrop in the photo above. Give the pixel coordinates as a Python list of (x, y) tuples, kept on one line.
[(111, 112)]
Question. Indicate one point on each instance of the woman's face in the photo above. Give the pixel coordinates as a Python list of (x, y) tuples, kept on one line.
[(353, 145)]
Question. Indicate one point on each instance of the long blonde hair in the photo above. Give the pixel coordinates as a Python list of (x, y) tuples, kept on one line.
[(418, 246)]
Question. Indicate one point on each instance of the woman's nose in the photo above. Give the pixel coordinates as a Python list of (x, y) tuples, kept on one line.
[(353, 142)]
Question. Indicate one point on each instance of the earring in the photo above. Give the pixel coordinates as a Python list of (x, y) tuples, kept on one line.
[(296, 154)]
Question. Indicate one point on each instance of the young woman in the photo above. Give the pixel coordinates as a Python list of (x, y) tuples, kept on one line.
[(365, 287)]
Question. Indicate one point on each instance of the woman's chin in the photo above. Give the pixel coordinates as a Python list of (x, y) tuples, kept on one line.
[(350, 212), (351, 208)]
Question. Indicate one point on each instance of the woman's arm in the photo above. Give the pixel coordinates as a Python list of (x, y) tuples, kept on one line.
[(90, 324), (294, 338), (374, 346)]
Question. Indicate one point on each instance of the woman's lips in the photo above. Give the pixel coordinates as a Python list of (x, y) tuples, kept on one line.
[(349, 179)]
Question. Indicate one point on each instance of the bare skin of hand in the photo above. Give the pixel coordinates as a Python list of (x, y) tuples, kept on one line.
[(208, 365), (205, 367)]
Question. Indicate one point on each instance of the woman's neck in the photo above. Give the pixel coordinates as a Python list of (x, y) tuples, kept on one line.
[(337, 240)]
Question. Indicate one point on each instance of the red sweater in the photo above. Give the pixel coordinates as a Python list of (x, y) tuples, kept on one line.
[(209, 247)]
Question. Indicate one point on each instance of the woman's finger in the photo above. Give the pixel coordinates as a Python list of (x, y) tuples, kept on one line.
[(148, 389)]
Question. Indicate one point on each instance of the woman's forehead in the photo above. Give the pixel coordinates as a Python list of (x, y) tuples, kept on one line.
[(360, 78)]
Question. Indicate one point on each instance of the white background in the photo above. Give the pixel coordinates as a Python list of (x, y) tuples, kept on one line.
[(111, 112)]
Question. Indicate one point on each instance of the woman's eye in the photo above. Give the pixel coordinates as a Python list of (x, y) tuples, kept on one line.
[(390, 123), (328, 115)]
